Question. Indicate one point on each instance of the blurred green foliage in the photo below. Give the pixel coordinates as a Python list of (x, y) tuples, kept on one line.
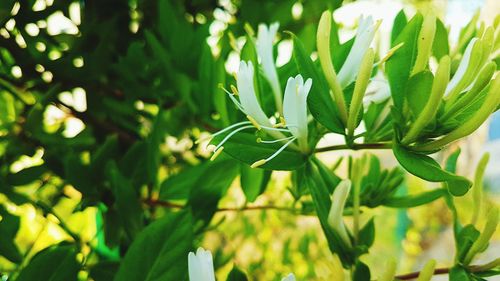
[(101, 103)]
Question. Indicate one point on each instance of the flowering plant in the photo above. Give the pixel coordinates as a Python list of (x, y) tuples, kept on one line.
[(134, 132)]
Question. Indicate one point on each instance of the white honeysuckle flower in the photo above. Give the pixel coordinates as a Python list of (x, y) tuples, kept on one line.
[(462, 67), (289, 277), (335, 220), (378, 90), (201, 267), (265, 39), (364, 36), (248, 102), (295, 114), (295, 109)]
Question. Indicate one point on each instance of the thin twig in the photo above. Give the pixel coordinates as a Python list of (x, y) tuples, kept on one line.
[(414, 275), (356, 146), (166, 204)]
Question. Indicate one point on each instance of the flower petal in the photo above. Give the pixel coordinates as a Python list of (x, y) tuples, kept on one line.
[(246, 90), (364, 37)]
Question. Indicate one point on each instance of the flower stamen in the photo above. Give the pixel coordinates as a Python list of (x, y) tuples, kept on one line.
[(254, 122), (264, 161), (221, 132)]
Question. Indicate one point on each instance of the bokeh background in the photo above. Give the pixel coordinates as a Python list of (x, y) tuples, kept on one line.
[(77, 76)]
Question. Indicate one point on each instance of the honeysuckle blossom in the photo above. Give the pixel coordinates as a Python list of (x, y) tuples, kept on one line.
[(201, 267), (289, 277), (364, 36), (294, 111), (265, 38), (335, 220), (378, 90)]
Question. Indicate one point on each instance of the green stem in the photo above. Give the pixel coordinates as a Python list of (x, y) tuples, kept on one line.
[(355, 146), (356, 205)]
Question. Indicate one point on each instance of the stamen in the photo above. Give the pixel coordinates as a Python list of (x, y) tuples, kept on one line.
[(258, 163), (216, 153), (264, 161), (221, 131), (259, 140), (254, 122), (234, 90), (275, 129), (231, 134)]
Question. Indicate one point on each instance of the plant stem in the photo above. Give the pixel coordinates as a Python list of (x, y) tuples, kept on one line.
[(439, 271), (166, 204), (413, 275), (355, 146)]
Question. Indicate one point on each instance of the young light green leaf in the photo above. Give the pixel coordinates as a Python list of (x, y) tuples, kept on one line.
[(400, 64), (415, 200), (428, 169)]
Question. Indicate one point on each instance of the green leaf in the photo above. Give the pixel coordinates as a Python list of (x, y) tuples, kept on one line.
[(458, 273), (428, 169), (179, 185), (399, 65), (57, 263), (9, 225), (322, 202), (465, 238), (5, 8), (319, 101), (26, 176), (451, 162), (156, 137), (361, 272), (244, 147), (207, 83), (440, 47), (160, 251), (107, 150), (330, 178), (418, 91), (415, 200), (253, 181), (398, 25), (236, 275), (104, 271), (367, 234), (79, 175), (210, 187), (126, 200)]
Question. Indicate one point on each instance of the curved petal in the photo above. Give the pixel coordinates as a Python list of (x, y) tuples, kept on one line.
[(265, 38), (246, 90), (364, 37), (295, 107)]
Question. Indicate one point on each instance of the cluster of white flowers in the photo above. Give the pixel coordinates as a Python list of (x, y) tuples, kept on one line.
[(201, 267), (292, 108)]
